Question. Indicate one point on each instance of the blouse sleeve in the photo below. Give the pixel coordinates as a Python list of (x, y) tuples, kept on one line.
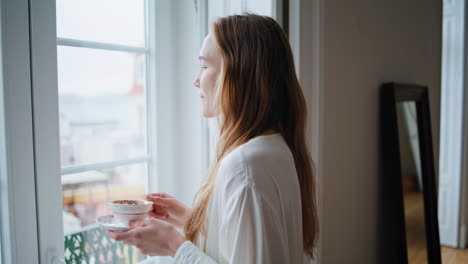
[(242, 234), (249, 230), (188, 253)]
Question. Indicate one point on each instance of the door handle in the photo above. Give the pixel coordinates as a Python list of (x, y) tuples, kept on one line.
[(52, 258)]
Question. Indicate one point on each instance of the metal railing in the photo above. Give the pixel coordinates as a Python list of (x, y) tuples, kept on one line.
[(92, 245)]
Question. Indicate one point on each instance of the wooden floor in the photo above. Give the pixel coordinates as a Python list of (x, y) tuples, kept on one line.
[(451, 255), (416, 235)]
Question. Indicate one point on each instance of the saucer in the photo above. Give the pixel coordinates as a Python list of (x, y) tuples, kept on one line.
[(109, 222)]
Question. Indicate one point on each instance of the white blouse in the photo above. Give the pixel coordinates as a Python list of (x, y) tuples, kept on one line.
[(254, 215)]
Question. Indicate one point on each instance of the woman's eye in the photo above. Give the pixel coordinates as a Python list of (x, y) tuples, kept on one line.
[(203, 67)]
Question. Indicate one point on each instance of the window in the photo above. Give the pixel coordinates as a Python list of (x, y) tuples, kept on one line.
[(104, 152)]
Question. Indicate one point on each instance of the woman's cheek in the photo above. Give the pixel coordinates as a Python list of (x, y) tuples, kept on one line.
[(205, 85)]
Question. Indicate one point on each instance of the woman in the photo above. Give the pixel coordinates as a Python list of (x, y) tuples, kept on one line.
[(257, 204)]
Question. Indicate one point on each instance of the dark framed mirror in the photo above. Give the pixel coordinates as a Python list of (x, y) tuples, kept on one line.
[(410, 198)]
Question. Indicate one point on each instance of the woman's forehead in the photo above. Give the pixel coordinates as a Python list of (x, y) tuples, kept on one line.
[(208, 50)]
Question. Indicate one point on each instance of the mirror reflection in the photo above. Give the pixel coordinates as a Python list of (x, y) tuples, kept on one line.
[(412, 182)]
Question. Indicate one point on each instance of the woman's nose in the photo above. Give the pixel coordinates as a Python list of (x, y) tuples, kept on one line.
[(196, 82)]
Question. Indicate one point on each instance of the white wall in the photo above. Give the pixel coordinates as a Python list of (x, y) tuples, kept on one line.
[(189, 168), (179, 152), (366, 43), (179, 161)]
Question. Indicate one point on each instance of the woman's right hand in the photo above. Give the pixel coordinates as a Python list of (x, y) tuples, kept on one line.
[(169, 209)]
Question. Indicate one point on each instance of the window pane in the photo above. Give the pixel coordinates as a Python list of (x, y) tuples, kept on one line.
[(85, 195), (101, 105), (110, 21)]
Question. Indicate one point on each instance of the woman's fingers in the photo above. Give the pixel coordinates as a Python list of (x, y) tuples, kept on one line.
[(138, 223), (160, 194), (159, 210), (158, 216), (118, 236), (131, 237), (152, 239), (163, 202)]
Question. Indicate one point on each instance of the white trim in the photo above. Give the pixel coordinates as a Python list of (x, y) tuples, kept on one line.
[(202, 17), (294, 29), (46, 129), (103, 165), (463, 234), (16, 151), (451, 110), (162, 67), (5, 234), (99, 45), (277, 11), (151, 122)]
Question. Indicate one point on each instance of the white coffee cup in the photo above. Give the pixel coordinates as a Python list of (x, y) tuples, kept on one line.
[(128, 210)]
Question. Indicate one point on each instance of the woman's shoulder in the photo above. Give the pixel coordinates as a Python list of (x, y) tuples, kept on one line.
[(259, 152), (264, 165)]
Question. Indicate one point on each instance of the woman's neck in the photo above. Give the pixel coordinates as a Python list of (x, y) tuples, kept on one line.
[(269, 132)]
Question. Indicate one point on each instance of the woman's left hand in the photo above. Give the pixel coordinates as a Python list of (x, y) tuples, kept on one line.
[(152, 236)]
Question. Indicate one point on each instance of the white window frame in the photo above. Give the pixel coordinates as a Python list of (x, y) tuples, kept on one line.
[(17, 169), (43, 46)]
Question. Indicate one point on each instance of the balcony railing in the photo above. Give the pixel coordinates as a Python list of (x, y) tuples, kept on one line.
[(91, 245)]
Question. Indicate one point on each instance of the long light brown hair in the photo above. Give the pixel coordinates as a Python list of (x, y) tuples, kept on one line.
[(258, 91)]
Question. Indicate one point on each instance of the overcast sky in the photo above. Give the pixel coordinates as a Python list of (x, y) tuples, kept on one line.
[(88, 72)]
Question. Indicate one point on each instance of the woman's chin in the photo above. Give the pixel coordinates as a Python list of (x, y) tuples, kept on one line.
[(207, 114)]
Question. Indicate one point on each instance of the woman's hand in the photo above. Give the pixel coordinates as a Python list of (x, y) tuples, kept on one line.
[(152, 236), (169, 209)]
